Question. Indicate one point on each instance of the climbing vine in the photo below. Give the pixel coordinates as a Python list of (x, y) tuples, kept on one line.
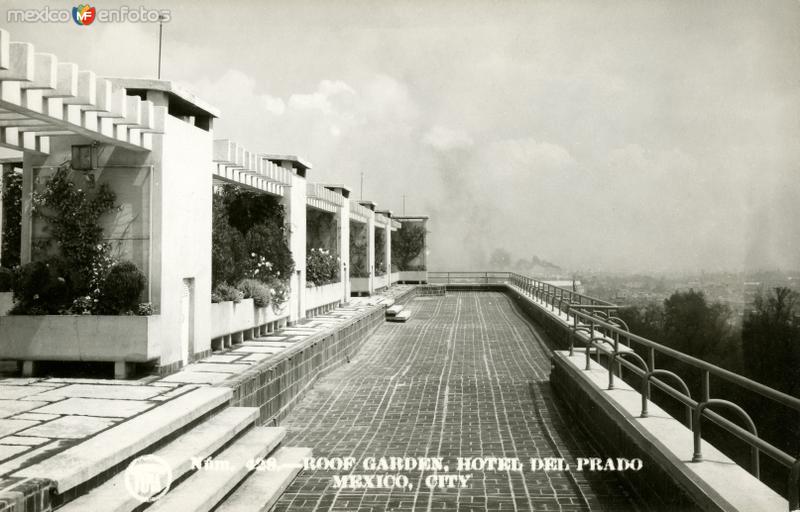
[(72, 214), (12, 219)]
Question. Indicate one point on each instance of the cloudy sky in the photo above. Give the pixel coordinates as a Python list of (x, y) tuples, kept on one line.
[(603, 135)]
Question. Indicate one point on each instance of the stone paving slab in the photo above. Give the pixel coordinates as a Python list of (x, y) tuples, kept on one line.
[(28, 441), (15, 392), (197, 377), (35, 416), (255, 349), (97, 407), (50, 448), (8, 427), (218, 367), (257, 357), (70, 427), (117, 392), (221, 358), (259, 343), (8, 451), (12, 407)]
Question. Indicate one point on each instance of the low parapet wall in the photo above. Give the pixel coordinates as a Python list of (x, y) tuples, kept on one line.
[(668, 479), (275, 385)]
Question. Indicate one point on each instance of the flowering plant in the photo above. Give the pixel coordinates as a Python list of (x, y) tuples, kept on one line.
[(322, 267)]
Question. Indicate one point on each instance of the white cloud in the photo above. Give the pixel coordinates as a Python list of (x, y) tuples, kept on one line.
[(529, 152), (325, 99), (443, 138)]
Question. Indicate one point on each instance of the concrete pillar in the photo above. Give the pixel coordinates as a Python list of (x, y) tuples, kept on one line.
[(388, 249), (344, 247), (122, 370), (343, 218), (28, 368), (371, 251), (294, 200)]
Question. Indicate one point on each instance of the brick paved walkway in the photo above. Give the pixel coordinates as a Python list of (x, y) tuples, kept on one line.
[(465, 377)]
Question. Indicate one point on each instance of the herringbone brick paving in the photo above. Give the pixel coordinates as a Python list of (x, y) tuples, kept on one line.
[(465, 377)]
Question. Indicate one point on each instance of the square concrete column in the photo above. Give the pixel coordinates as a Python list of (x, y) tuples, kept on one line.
[(294, 200), (388, 249), (371, 251), (343, 218)]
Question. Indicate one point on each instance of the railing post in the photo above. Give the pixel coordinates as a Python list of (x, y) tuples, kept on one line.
[(574, 335), (705, 397), (794, 491)]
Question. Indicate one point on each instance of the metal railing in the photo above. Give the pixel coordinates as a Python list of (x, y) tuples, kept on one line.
[(468, 277), (595, 324)]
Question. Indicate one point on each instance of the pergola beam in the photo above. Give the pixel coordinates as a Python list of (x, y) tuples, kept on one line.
[(38, 94)]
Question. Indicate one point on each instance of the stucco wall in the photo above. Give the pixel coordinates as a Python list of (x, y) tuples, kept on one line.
[(182, 249)]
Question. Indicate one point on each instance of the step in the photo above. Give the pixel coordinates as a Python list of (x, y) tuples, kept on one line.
[(263, 488), (200, 442), (394, 310), (88, 459), (400, 317), (206, 487)]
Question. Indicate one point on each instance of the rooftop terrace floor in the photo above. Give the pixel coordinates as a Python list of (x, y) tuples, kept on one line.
[(466, 376)]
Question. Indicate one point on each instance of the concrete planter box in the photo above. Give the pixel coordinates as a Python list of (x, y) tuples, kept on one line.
[(324, 295), (6, 302), (81, 338), (381, 281), (414, 276), (359, 285), (229, 318), (394, 277)]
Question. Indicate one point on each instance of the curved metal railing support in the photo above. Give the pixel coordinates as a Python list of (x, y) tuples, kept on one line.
[(636, 357), (575, 331), (697, 426), (645, 391), (589, 344), (617, 320)]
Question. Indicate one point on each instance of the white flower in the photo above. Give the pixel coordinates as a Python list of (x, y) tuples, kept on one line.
[(253, 254)]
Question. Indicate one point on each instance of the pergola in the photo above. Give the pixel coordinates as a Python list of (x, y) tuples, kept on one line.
[(41, 98), (236, 165)]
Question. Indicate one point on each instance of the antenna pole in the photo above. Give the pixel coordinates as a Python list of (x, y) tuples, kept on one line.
[(160, 34)]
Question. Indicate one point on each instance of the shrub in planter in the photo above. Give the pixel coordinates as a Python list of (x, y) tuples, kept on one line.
[(256, 290), (280, 293), (225, 292), (6, 279), (121, 289), (43, 287), (322, 267)]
